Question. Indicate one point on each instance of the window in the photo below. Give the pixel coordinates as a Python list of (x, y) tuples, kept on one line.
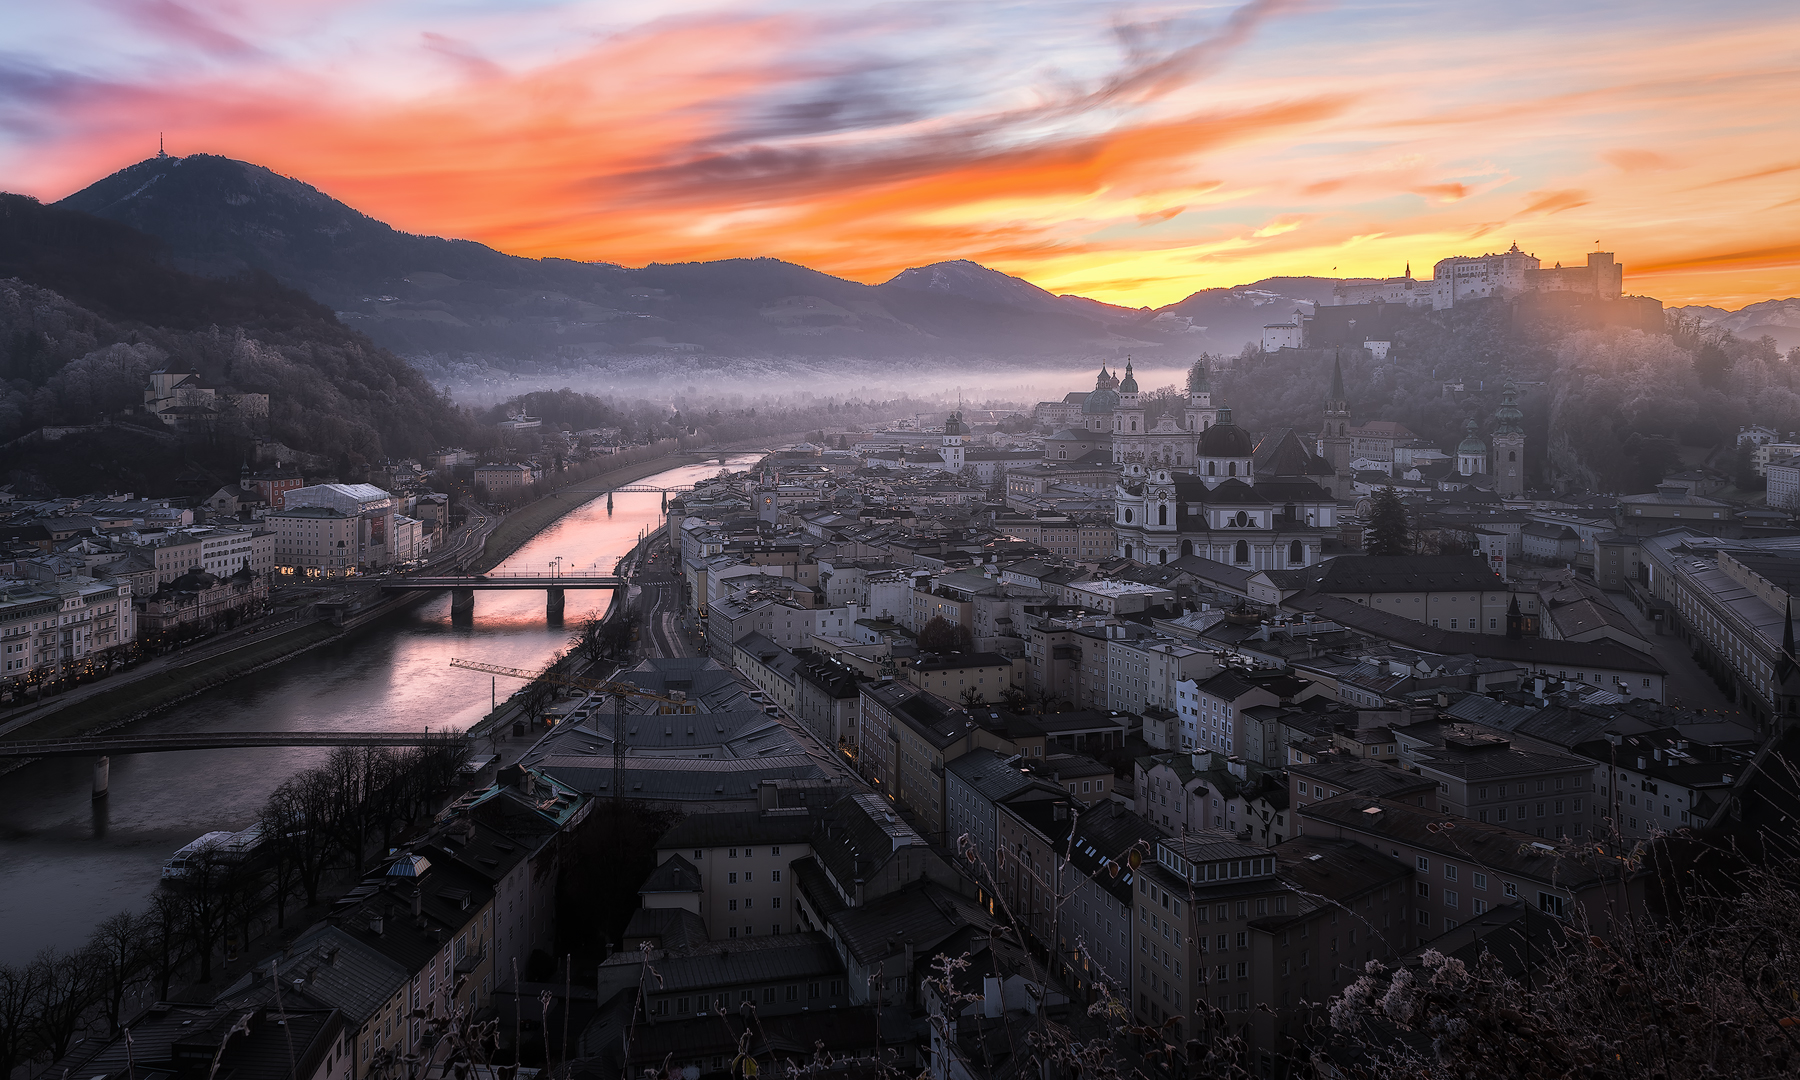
[(1449, 872), (1510, 889), (1481, 882), (1450, 898), (1551, 904), (731, 879), (775, 875), (733, 904), (1424, 890), (1424, 864), (733, 853)]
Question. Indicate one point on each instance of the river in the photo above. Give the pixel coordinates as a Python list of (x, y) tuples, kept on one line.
[(67, 862)]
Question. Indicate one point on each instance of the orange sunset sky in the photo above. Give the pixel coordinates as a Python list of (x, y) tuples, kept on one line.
[(1129, 152)]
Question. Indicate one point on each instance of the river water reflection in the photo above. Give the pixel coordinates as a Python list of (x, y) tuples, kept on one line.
[(66, 863)]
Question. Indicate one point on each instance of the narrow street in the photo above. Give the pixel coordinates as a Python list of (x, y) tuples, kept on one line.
[(1685, 685)]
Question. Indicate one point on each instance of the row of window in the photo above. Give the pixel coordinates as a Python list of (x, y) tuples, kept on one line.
[(749, 853)]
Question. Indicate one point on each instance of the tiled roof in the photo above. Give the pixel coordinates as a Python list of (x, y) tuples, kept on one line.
[(673, 875)]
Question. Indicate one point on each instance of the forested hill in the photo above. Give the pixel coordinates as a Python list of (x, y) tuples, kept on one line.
[(88, 308)]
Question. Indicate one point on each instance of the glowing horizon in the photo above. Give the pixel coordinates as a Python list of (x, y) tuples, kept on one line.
[(1132, 155)]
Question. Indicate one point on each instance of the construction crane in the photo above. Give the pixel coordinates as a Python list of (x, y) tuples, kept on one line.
[(619, 691)]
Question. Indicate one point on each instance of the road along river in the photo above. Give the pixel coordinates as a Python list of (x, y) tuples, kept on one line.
[(67, 862)]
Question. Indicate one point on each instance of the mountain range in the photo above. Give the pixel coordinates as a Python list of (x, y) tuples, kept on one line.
[(1779, 319), (430, 297)]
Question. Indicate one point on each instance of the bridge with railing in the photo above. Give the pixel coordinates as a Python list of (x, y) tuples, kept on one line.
[(462, 587), (102, 747)]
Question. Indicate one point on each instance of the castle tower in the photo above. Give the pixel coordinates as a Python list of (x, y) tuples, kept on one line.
[(1334, 435), (1509, 444), (954, 433), (1471, 456)]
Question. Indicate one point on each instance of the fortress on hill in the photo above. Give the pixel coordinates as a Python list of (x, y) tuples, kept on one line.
[(1467, 277)]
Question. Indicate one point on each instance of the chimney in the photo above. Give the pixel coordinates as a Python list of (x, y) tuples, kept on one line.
[(418, 903), (376, 925), (858, 901), (992, 1000)]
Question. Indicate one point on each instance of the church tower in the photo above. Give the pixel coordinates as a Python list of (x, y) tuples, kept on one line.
[(1200, 412), (954, 433), (1509, 444), (1334, 436), (1128, 421)]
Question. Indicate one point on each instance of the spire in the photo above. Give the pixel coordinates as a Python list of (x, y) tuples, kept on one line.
[(160, 152), (1129, 384), (1337, 382), (1409, 268), (1199, 378)]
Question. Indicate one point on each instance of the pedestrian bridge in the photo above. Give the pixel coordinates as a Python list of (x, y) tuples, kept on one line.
[(463, 587), (105, 745), (102, 747)]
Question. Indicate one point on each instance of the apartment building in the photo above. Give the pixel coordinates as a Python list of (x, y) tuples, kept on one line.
[(1460, 873), (732, 870), (314, 542), (1146, 673), (47, 628)]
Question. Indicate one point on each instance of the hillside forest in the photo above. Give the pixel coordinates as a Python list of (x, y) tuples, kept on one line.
[(1606, 409)]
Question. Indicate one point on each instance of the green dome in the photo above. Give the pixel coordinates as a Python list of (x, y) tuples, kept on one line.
[(1471, 443)]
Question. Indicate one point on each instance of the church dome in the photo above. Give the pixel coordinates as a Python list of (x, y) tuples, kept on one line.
[(1129, 385), (1471, 443), (1100, 403), (1225, 439), (955, 426)]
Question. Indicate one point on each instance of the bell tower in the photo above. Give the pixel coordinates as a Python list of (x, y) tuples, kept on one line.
[(1509, 444), (954, 433), (1334, 436)]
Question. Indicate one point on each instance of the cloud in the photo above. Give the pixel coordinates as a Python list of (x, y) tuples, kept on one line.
[(182, 24), (1777, 256), (1637, 161), (1554, 202), (462, 55), (1286, 223), (1773, 170), (1445, 193)]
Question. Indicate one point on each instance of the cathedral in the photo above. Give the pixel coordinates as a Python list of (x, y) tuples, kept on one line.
[(1196, 484)]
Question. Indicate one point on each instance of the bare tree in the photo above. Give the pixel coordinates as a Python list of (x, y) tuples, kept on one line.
[(119, 950), (207, 899), (19, 994), (68, 985), (1709, 992), (297, 820), (167, 927)]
